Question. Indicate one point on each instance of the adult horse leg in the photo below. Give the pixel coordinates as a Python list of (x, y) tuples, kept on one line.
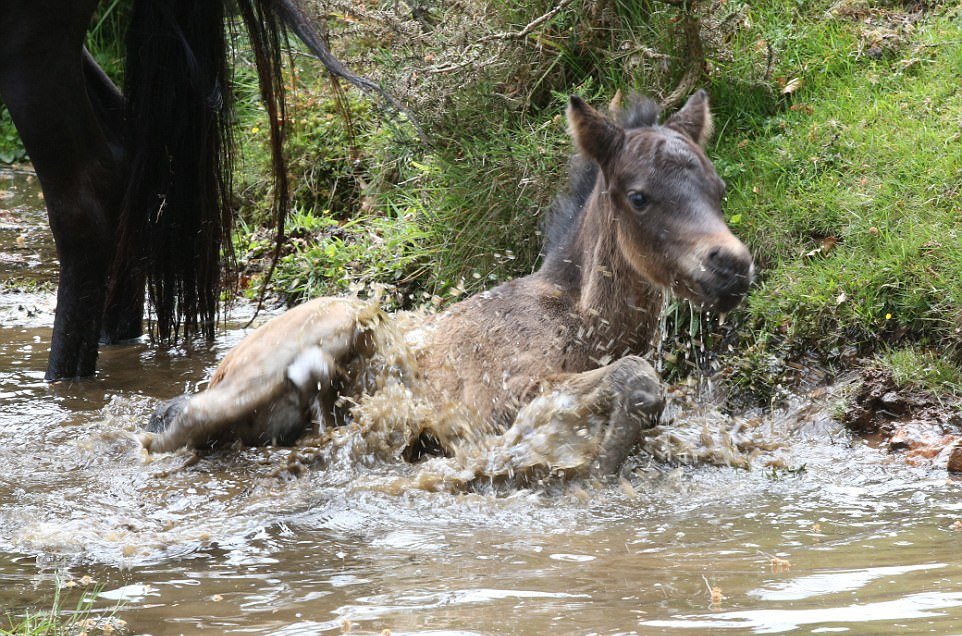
[(124, 304), (107, 102), (43, 84)]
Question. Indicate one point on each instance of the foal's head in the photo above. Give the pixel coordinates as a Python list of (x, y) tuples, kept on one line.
[(664, 197)]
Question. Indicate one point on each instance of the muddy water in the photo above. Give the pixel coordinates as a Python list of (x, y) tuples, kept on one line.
[(821, 533)]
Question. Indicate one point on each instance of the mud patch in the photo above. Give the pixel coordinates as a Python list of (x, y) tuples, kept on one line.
[(922, 430)]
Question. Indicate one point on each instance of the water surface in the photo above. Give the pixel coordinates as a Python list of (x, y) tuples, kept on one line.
[(821, 533)]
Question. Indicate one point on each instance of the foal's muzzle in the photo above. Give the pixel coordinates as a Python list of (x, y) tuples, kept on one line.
[(726, 275)]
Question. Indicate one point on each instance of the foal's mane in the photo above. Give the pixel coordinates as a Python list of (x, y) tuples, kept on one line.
[(561, 221)]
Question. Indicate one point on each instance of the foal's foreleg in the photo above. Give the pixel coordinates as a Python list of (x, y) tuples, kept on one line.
[(636, 403), (42, 83), (587, 422)]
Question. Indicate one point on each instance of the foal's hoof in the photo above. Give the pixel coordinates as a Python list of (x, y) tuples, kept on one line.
[(166, 412), (640, 390), (637, 405)]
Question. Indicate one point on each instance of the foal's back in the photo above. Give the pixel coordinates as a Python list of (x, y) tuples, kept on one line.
[(489, 352)]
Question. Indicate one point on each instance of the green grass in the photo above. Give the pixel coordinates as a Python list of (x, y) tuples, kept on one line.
[(850, 199), (325, 257), (483, 198), (64, 616), (11, 148), (920, 369)]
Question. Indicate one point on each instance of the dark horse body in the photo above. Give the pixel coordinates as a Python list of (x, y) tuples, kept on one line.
[(137, 184)]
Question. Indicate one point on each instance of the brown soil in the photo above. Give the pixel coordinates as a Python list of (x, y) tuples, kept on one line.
[(916, 426)]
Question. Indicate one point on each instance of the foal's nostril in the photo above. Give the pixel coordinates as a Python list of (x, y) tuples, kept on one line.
[(725, 263), (729, 276), (714, 256)]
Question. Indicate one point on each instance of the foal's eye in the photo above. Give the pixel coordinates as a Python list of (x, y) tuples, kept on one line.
[(638, 200)]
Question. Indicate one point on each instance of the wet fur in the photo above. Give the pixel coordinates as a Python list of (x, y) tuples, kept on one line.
[(269, 389), (579, 324), (562, 219)]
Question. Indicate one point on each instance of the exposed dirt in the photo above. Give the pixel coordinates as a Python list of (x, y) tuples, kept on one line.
[(884, 28), (916, 426)]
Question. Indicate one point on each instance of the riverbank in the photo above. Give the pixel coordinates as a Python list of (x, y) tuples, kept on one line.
[(837, 133)]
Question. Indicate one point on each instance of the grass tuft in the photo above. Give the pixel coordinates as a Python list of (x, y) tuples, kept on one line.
[(918, 369), (63, 619)]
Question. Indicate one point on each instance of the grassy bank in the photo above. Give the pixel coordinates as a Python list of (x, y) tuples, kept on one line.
[(837, 134), (850, 196), (837, 131)]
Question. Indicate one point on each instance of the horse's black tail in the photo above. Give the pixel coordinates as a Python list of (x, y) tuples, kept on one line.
[(177, 214), (176, 219)]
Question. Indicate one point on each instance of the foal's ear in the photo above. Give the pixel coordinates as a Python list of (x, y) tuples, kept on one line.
[(594, 134), (616, 104), (694, 119)]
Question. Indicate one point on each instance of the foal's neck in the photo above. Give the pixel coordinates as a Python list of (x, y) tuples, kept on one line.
[(618, 307)]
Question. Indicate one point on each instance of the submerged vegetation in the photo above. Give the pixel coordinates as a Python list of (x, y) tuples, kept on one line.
[(837, 131)]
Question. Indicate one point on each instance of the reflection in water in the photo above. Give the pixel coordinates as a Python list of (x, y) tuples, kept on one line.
[(832, 582), (912, 607), (232, 542)]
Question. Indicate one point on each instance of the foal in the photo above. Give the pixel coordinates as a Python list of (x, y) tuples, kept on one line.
[(643, 217)]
